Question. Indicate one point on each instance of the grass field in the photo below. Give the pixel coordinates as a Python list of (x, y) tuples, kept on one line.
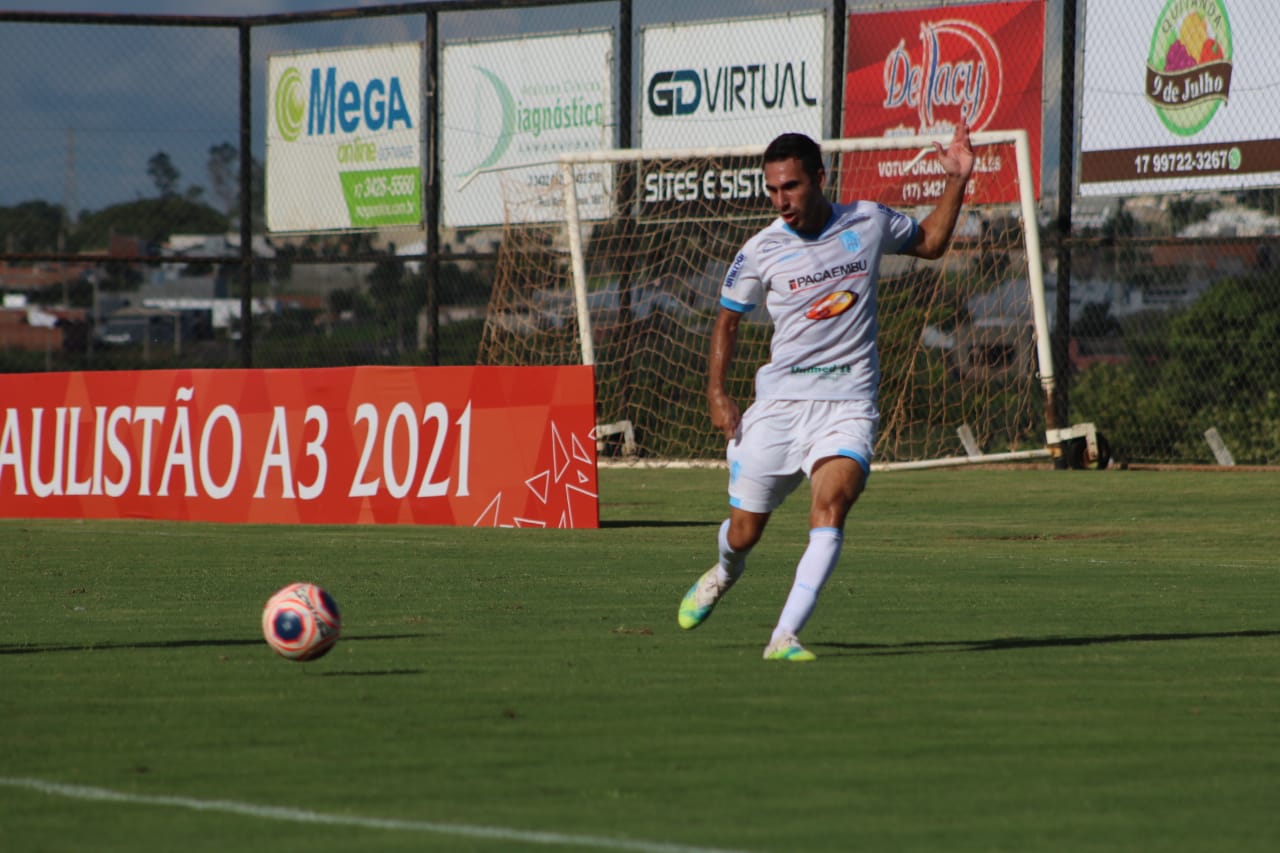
[(1009, 660)]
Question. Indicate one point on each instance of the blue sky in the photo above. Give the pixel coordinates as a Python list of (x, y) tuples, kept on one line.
[(86, 107)]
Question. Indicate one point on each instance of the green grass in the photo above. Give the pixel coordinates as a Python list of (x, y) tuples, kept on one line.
[(1008, 661)]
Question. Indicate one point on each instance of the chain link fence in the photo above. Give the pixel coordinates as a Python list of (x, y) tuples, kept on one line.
[(133, 235)]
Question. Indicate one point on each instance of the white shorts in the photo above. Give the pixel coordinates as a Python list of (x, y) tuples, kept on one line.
[(779, 442)]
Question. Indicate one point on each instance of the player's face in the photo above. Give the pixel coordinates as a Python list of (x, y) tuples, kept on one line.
[(796, 196)]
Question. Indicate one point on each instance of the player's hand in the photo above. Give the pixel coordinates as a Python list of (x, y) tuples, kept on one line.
[(957, 159), (724, 414)]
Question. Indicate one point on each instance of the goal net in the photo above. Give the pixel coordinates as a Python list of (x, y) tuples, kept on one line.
[(625, 272)]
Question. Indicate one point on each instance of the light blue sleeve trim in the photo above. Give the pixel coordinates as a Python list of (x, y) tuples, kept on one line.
[(741, 307), (735, 503), (857, 457)]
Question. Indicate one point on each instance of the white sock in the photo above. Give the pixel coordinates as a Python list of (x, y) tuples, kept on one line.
[(732, 562), (811, 573)]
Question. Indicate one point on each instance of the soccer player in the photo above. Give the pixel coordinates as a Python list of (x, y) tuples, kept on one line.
[(815, 415)]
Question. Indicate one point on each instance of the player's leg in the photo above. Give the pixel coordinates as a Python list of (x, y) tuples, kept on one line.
[(836, 481), (738, 534), (763, 470)]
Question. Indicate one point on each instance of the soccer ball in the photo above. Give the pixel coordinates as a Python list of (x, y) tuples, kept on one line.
[(301, 622)]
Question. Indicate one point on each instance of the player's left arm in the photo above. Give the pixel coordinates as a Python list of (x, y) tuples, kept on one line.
[(934, 234)]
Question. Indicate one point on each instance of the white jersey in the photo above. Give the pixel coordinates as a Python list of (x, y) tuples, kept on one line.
[(821, 295)]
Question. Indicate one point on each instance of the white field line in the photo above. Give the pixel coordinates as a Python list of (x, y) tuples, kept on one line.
[(498, 833)]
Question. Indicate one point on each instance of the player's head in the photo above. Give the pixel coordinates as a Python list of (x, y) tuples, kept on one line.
[(794, 177), (797, 146)]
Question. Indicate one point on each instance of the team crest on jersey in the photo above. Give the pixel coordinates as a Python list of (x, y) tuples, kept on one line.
[(851, 241), (831, 305)]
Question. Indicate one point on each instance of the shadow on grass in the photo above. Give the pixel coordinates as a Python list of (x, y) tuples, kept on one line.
[(347, 673), (651, 523), (1003, 644), (35, 649)]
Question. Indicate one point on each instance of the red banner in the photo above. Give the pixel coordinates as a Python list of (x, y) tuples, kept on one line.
[(920, 72), (482, 446)]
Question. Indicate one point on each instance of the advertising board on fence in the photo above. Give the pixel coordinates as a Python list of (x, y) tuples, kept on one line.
[(510, 108), (478, 446), (921, 71), (726, 83), (731, 82), (1179, 95), (344, 139)]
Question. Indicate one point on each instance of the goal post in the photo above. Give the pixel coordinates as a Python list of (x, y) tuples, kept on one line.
[(624, 273)]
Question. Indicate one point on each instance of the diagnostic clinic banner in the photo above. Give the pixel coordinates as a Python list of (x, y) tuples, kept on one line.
[(919, 72), (468, 446)]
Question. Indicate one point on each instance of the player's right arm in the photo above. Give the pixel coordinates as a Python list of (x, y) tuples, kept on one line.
[(957, 159), (724, 338)]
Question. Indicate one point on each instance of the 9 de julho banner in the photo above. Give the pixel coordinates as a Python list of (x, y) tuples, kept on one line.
[(469, 446), (1179, 95), (344, 139)]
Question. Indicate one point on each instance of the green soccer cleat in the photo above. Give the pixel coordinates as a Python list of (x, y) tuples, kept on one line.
[(787, 647), (701, 598)]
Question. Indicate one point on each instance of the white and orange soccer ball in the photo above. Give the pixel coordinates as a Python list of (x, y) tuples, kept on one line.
[(301, 622)]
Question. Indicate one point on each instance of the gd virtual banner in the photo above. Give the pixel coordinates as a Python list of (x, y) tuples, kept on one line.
[(1179, 95), (344, 144), (920, 72), (724, 83), (470, 446)]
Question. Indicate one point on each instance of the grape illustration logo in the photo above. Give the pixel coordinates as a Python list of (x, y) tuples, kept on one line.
[(290, 105), (1189, 64)]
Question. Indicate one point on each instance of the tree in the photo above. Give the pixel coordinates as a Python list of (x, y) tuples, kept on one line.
[(224, 176), (31, 226), (165, 175), (150, 220)]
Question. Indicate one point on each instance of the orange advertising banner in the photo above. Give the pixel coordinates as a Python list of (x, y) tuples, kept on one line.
[(469, 446)]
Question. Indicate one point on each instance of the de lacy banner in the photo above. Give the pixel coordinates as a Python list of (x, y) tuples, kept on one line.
[(472, 446), (922, 71)]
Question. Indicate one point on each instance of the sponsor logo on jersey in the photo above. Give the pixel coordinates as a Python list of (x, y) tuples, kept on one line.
[(732, 277), (831, 305), (823, 370), (839, 271)]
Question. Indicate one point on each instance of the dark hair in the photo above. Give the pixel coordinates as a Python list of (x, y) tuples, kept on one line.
[(798, 146)]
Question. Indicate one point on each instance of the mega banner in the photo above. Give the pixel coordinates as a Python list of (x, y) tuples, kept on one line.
[(481, 446), (344, 139), (920, 72), (1179, 95), (510, 108)]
